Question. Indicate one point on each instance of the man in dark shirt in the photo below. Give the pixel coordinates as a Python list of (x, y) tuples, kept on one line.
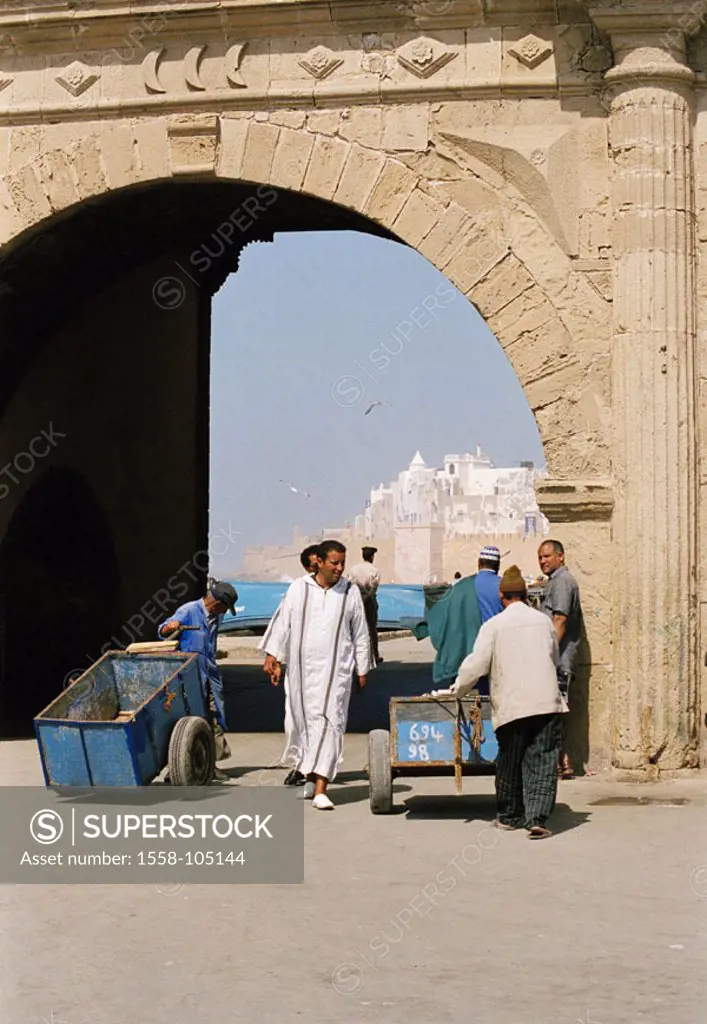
[(560, 601)]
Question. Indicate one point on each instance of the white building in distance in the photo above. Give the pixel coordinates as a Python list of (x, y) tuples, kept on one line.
[(468, 496)]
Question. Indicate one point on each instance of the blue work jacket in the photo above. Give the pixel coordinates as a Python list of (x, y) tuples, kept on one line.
[(203, 643)]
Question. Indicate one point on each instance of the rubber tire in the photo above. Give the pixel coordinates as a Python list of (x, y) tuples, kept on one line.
[(192, 755), (380, 772)]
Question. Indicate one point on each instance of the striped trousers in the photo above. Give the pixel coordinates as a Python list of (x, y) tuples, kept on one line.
[(526, 769)]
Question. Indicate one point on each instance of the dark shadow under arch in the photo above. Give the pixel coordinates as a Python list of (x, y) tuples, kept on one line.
[(59, 592), (86, 247)]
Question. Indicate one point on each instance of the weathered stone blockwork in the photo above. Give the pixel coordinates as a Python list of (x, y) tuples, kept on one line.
[(544, 166)]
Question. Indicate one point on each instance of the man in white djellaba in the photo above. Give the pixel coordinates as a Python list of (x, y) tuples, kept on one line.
[(290, 757), (320, 632)]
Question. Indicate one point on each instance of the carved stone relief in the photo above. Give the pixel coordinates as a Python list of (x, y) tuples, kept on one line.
[(192, 68), (150, 71), (381, 64), (232, 63), (531, 51), (320, 62), (423, 57), (77, 78)]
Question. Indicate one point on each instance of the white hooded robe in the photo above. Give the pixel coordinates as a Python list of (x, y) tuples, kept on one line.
[(322, 636)]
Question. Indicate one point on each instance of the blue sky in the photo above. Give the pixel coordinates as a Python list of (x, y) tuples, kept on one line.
[(311, 330)]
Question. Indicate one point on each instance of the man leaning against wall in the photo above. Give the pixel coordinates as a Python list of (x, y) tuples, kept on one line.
[(560, 601)]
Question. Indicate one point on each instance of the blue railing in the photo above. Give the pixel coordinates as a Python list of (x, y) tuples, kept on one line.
[(398, 605)]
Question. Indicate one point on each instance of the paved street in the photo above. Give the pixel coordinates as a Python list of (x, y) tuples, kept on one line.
[(427, 915)]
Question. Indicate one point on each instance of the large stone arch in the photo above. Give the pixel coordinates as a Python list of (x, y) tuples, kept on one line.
[(505, 255), (550, 317)]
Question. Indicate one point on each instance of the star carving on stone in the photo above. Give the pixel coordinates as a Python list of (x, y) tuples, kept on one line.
[(320, 62), (531, 51), (77, 78), (423, 57)]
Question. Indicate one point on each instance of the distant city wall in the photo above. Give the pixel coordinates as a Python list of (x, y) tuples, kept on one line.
[(460, 555)]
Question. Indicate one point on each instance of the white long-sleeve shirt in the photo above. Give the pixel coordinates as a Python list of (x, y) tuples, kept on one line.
[(517, 649)]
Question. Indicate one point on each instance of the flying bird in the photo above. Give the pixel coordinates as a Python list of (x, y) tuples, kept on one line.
[(296, 490), (372, 406)]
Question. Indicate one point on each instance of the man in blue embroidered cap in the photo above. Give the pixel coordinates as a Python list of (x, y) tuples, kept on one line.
[(455, 621), (487, 582), (206, 615)]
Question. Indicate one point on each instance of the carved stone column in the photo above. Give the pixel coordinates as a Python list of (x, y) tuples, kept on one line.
[(650, 97)]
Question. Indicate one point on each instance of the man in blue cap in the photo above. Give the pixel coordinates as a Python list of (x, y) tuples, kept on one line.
[(206, 615), (455, 620), (487, 582)]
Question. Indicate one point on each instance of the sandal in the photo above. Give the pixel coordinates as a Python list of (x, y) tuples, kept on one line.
[(539, 832), (505, 826)]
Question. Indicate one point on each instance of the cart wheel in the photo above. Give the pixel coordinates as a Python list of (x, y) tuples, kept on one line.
[(380, 773), (191, 756)]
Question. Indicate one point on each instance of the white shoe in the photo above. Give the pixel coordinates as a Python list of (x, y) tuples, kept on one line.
[(308, 791), (322, 803)]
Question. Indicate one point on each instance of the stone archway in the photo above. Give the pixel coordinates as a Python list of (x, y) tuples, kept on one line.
[(482, 137), (510, 286)]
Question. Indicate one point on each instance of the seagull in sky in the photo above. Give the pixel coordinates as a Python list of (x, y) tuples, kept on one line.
[(296, 490), (372, 406)]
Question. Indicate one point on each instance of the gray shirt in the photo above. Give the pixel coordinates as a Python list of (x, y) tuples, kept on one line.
[(561, 597)]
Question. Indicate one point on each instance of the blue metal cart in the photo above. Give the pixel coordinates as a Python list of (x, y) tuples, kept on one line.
[(124, 720), (430, 736)]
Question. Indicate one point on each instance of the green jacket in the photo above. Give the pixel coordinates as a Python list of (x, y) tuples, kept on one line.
[(454, 622)]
